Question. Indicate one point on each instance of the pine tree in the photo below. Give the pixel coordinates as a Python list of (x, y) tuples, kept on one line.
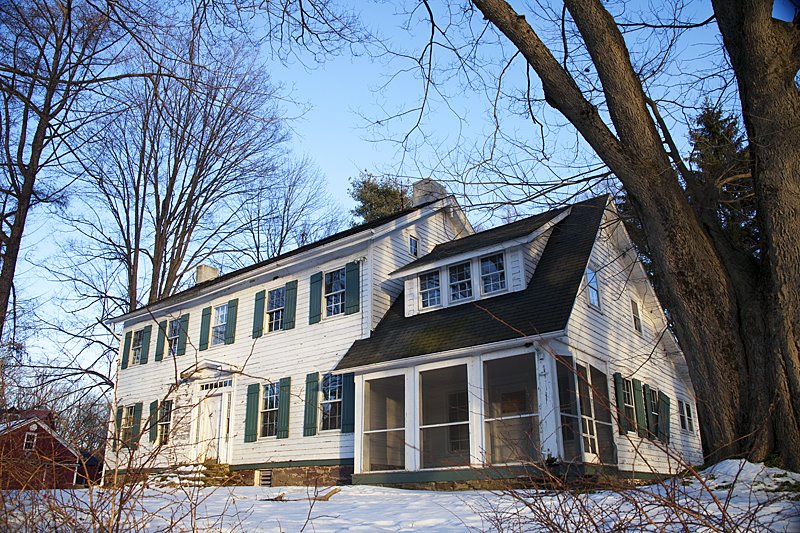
[(378, 196)]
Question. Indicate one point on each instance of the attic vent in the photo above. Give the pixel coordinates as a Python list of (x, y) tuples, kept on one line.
[(264, 478), (205, 273)]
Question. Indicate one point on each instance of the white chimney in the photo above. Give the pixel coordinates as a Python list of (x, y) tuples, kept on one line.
[(427, 190), (205, 273)]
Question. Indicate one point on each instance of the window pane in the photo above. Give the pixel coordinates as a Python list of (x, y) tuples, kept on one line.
[(385, 403), (384, 451), (460, 282), (510, 385), (512, 440), (493, 274), (429, 290), (444, 393), (445, 446), (276, 299)]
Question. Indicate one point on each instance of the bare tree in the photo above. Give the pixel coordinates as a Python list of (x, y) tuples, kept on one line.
[(736, 314)]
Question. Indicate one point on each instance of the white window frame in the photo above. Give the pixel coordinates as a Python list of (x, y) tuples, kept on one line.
[(164, 421), (326, 398), (136, 346), (126, 425), (219, 323), (593, 287), (413, 246), (334, 300), (267, 410), (29, 444), (470, 422), (275, 315), (173, 334), (437, 289), (628, 394), (502, 273), (467, 281), (636, 315), (655, 402), (686, 416), (411, 459)]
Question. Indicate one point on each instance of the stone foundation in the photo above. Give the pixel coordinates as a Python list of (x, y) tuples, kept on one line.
[(309, 476)]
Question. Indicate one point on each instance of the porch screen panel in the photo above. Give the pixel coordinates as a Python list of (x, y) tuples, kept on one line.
[(384, 424), (568, 402), (511, 410), (445, 417), (602, 414)]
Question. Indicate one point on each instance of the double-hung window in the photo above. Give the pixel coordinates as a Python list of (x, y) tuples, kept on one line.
[(331, 401), (430, 291), (164, 420), (136, 346), (269, 410), (687, 419), (220, 325), (460, 282), (493, 274), (654, 407), (413, 246), (334, 292), (30, 441), (628, 402), (276, 303), (173, 333), (637, 318), (126, 427), (592, 287)]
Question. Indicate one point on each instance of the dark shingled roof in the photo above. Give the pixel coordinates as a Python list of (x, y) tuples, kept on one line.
[(543, 307), (506, 232)]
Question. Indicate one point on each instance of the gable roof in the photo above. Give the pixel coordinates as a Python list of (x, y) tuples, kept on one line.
[(10, 427), (543, 307), (506, 232), (200, 288)]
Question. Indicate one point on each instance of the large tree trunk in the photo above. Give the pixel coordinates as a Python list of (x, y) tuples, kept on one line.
[(737, 324)]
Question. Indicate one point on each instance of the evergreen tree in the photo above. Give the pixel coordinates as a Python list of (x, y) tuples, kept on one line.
[(378, 196)]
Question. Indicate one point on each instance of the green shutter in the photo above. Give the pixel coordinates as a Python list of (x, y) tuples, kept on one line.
[(652, 424), (118, 423), (283, 407), (638, 403), (312, 404), (145, 344), (352, 288), (137, 425), (182, 335), (153, 420), (291, 305), (251, 413), (663, 417), (126, 350), (162, 334), (258, 314), (348, 403), (619, 393), (205, 327), (315, 298), (230, 325)]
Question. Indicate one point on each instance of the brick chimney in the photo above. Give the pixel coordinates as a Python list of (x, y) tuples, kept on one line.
[(426, 190)]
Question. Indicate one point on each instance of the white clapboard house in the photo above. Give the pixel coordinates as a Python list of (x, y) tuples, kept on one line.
[(412, 350)]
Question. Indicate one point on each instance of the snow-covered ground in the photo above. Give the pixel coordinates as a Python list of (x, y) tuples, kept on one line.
[(733, 496)]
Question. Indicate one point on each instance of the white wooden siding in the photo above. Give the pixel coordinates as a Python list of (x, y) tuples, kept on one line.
[(608, 335)]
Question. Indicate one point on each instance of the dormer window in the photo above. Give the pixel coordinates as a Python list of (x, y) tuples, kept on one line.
[(493, 274), (430, 291), (460, 282)]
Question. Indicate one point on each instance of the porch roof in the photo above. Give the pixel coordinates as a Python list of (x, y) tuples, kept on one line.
[(543, 307)]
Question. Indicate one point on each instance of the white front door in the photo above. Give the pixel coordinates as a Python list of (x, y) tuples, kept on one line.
[(213, 428)]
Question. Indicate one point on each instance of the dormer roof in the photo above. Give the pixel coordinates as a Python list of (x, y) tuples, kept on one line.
[(543, 307)]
